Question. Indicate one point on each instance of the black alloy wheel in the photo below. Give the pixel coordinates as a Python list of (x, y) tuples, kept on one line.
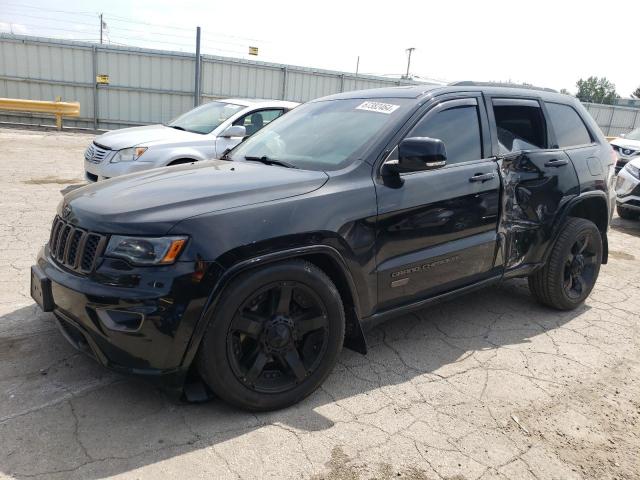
[(580, 266), (273, 337), (571, 271), (278, 337)]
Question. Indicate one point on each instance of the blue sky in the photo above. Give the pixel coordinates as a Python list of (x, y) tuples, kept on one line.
[(547, 43)]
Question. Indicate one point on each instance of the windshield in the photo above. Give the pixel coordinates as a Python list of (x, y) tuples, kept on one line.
[(205, 118), (633, 134), (325, 135)]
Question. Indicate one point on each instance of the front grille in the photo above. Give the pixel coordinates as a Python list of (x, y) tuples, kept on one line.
[(75, 248), (95, 153)]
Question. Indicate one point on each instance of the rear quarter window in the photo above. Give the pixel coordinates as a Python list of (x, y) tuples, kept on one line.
[(569, 128)]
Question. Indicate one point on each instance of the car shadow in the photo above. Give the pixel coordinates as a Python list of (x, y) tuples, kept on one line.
[(62, 414), (631, 227)]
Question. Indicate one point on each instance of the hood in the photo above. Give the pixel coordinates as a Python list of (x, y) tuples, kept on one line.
[(151, 202), (626, 143), (134, 136)]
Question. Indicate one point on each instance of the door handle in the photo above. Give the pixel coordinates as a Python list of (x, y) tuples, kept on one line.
[(556, 163), (482, 177)]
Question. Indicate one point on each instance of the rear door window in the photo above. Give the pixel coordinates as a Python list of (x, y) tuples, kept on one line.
[(568, 126), (520, 125)]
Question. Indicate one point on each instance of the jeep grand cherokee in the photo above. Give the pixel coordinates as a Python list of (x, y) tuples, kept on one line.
[(253, 273)]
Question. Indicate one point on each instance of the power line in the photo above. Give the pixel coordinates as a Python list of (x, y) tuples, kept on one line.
[(111, 27), (49, 19), (117, 18), (128, 20), (44, 27), (20, 5)]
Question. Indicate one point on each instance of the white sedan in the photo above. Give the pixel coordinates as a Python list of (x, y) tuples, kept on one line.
[(203, 133)]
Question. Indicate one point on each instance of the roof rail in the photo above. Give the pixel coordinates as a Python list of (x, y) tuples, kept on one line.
[(467, 83)]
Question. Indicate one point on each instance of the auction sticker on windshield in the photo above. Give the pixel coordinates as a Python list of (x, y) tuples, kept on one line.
[(379, 107)]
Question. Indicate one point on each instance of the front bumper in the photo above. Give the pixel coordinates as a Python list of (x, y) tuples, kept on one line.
[(136, 320), (628, 190), (104, 170)]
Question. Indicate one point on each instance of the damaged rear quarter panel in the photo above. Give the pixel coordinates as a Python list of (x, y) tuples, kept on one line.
[(532, 197)]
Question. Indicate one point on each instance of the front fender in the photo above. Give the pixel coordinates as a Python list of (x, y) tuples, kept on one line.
[(184, 154), (355, 337)]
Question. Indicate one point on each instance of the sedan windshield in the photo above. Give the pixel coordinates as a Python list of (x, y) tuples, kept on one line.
[(633, 135), (325, 135), (205, 118)]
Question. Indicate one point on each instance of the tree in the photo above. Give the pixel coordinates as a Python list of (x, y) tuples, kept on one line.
[(636, 93), (596, 90)]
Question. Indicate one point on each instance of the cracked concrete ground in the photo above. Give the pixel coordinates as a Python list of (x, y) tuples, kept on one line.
[(490, 386)]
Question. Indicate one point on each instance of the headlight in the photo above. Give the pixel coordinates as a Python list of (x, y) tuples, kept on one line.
[(128, 154), (633, 170), (146, 251)]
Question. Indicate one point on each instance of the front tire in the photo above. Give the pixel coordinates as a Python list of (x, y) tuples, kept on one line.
[(274, 337), (625, 213), (571, 272)]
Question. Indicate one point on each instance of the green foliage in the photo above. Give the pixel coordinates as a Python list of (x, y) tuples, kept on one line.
[(596, 90), (636, 93)]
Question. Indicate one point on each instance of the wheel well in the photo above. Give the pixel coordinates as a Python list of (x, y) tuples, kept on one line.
[(180, 161), (594, 209), (354, 337)]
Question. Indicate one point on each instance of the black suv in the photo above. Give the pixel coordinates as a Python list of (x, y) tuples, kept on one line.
[(252, 273)]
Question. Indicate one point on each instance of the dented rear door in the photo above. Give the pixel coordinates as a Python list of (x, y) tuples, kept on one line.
[(537, 183)]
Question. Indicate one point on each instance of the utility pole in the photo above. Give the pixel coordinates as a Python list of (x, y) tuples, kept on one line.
[(101, 28), (409, 50), (355, 83), (196, 90)]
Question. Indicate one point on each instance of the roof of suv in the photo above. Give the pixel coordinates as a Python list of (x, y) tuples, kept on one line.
[(418, 91)]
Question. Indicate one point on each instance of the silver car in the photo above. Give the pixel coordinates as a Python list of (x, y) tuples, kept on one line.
[(203, 133), (627, 147), (628, 190)]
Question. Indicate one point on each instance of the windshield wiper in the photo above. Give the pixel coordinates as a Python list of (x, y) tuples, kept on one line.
[(177, 127), (269, 161)]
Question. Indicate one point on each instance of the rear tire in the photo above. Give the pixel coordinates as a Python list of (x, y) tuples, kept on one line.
[(626, 214), (274, 337), (571, 272)]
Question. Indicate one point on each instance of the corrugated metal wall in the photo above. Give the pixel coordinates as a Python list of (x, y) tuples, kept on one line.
[(148, 86), (613, 119)]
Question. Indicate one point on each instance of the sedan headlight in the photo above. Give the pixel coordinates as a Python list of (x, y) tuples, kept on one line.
[(146, 251), (128, 154), (633, 170)]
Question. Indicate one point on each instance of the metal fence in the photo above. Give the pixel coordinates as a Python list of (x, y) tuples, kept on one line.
[(148, 86), (613, 119), (152, 86)]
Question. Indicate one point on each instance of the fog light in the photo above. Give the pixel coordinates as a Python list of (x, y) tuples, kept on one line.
[(120, 320)]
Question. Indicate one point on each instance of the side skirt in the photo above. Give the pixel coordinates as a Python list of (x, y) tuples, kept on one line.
[(377, 318)]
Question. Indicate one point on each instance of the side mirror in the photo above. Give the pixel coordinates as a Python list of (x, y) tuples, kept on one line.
[(421, 153), (234, 131)]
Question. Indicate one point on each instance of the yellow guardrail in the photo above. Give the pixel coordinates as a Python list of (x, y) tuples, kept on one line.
[(58, 109), (611, 138)]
